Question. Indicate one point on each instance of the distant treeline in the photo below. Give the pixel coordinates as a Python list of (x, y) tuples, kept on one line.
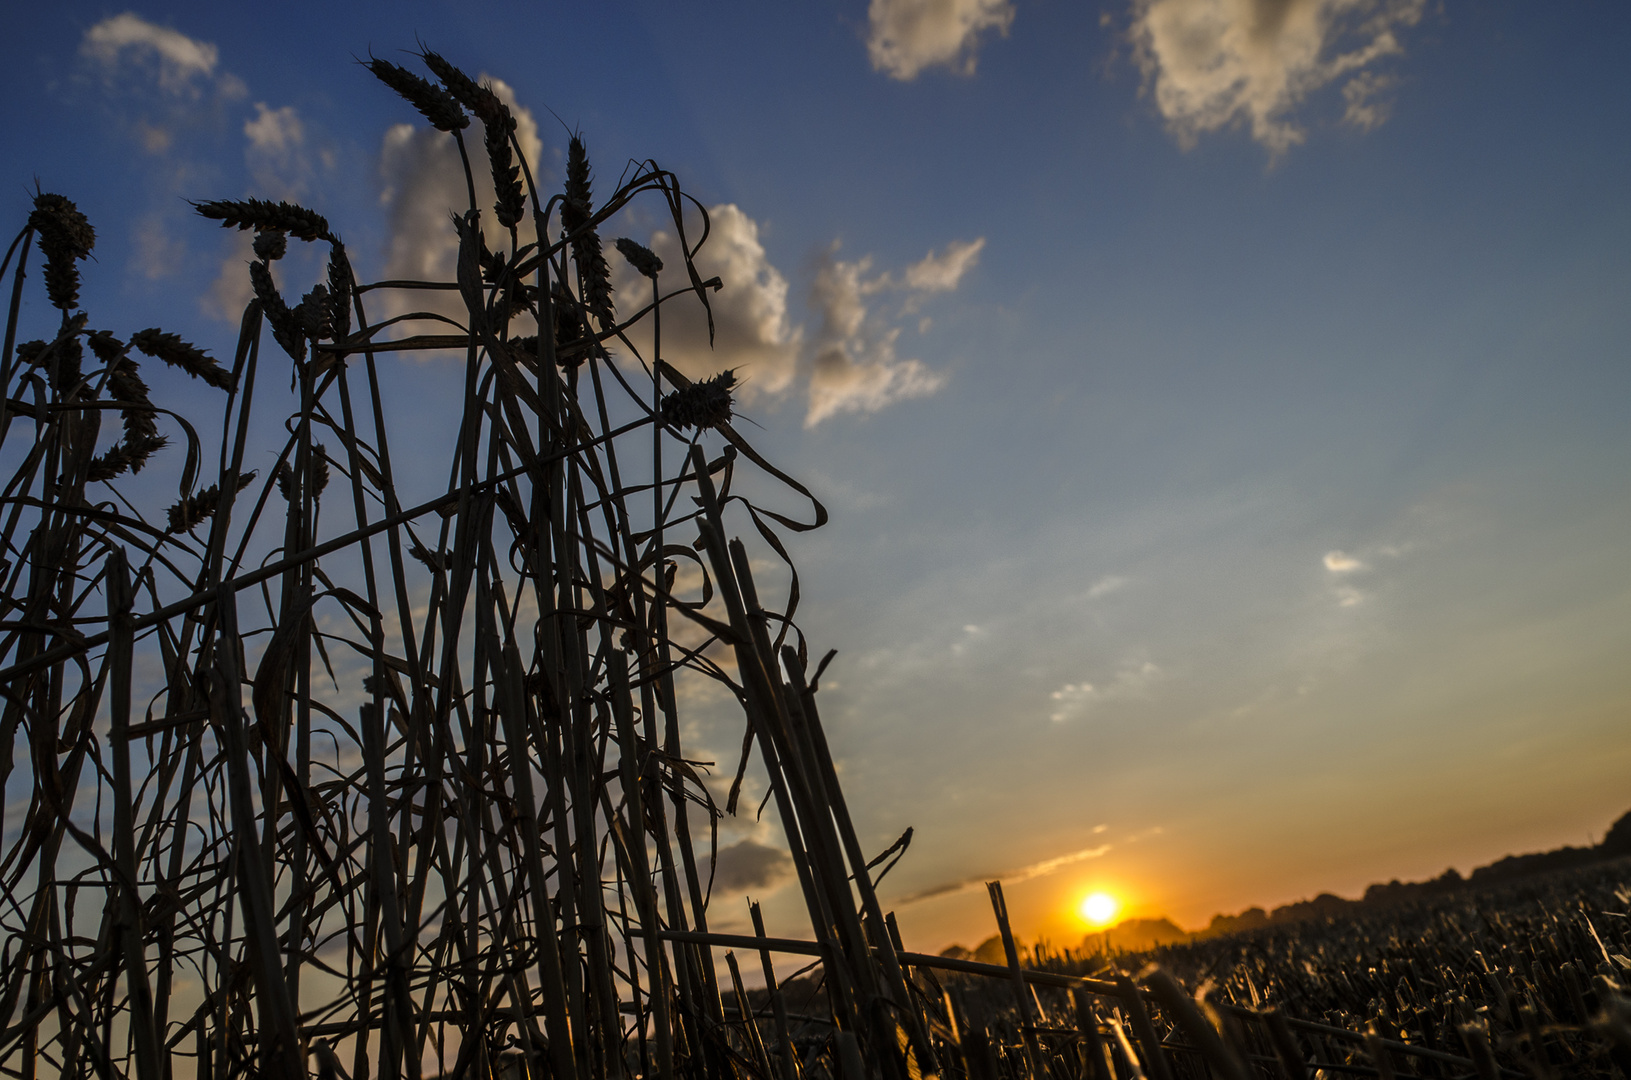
[(1139, 935), (1615, 844)]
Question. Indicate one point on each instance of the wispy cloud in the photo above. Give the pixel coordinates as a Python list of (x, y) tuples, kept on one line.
[(1106, 585), (1011, 877), (942, 272), (155, 79), (906, 36), (231, 291), (1070, 699), (279, 159), (1344, 566), (856, 366), (162, 85), (157, 250), (1132, 679), (1211, 64)]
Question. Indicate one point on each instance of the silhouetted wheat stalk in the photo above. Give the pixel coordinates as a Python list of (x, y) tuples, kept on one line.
[(236, 865)]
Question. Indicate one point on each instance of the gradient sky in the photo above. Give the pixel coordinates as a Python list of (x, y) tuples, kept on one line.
[(1222, 404)]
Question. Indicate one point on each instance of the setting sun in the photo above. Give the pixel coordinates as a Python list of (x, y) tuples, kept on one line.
[(1099, 908)]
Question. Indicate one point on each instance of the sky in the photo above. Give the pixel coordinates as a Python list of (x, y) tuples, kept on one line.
[(1222, 404)]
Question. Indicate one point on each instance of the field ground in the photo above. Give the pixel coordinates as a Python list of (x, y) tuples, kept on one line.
[(1535, 963)]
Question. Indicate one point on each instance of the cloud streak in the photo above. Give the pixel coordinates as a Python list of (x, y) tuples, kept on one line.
[(1106, 585), (1211, 64), (1010, 877)]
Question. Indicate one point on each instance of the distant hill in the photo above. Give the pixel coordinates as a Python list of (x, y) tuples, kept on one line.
[(1616, 843), (1136, 935)]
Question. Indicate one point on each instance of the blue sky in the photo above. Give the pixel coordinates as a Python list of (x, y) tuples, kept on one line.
[(1223, 404)]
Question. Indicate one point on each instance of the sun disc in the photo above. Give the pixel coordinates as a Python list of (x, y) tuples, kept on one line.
[(1099, 908)]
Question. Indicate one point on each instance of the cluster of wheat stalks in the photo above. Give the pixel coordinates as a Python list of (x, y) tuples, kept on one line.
[(319, 781), (1312, 1000)]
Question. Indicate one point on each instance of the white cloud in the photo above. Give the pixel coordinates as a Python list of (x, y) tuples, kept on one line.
[(845, 381), (130, 39), (752, 332), (420, 171), (160, 82), (907, 36), (1342, 563), (422, 185), (852, 364), (168, 87), (1214, 63), (972, 632)]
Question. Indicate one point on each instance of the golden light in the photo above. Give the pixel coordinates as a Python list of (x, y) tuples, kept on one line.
[(1099, 908)]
